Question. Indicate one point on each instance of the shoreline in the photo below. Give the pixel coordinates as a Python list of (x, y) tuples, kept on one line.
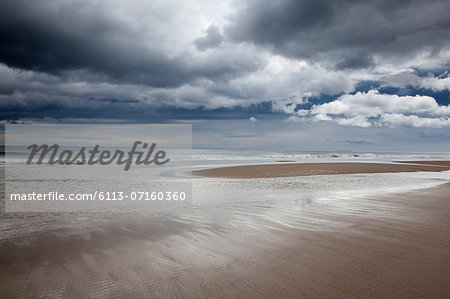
[(327, 168)]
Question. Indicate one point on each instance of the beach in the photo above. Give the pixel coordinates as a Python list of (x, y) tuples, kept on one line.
[(271, 241), (306, 169), (224, 149)]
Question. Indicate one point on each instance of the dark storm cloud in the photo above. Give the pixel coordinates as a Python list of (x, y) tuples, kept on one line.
[(156, 60), (336, 30), (271, 22), (60, 36), (356, 61), (212, 39)]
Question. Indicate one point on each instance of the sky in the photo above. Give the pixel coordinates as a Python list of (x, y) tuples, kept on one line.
[(280, 74)]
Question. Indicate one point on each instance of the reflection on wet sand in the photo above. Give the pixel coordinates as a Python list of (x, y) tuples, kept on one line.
[(381, 246)]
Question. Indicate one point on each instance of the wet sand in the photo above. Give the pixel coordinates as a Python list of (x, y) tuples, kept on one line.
[(305, 169), (384, 247)]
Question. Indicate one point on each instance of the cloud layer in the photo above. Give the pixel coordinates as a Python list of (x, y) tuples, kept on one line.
[(127, 59)]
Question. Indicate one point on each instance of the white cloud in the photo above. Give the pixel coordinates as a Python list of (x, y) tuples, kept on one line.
[(288, 105), (365, 109), (357, 121), (322, 117), (407, 78), (374, 104), (436, 83), (284, 81), (394, 119)]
